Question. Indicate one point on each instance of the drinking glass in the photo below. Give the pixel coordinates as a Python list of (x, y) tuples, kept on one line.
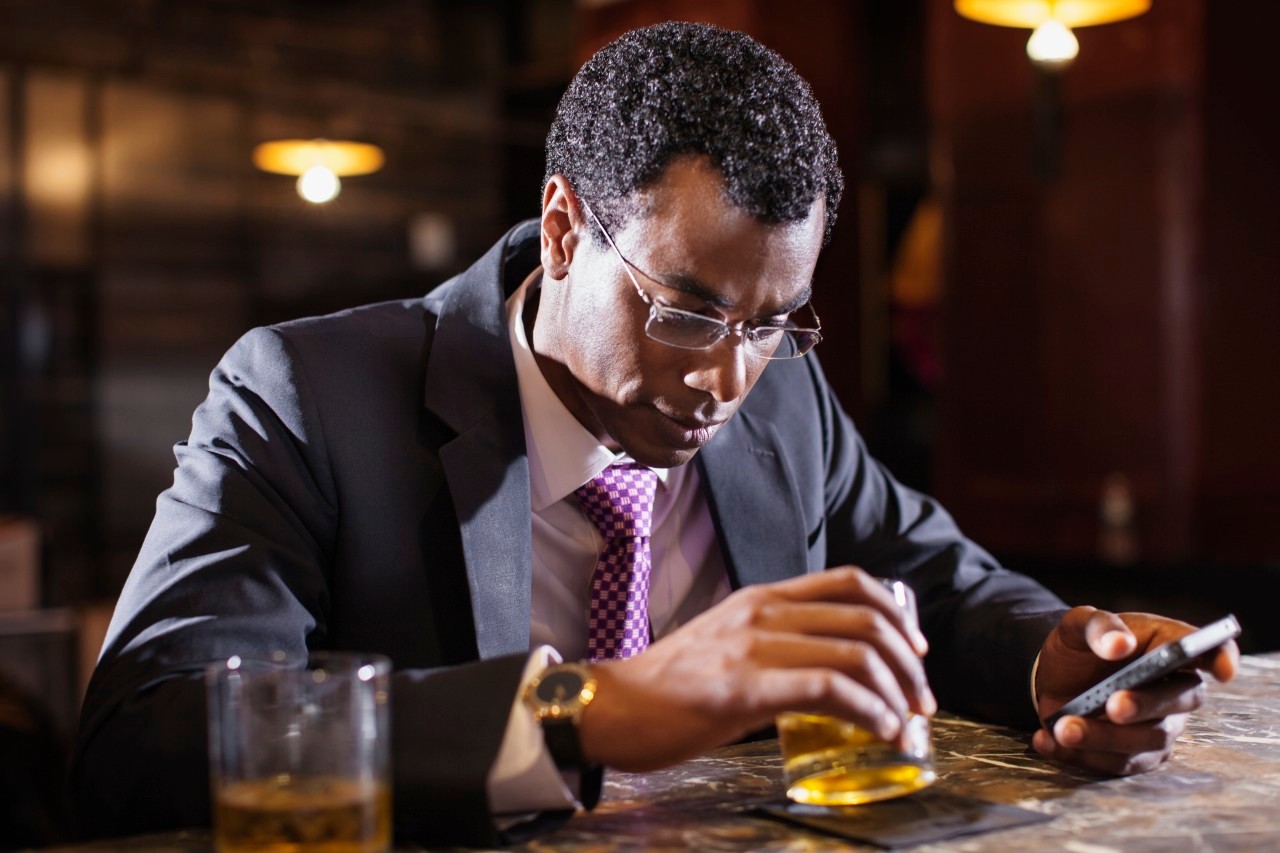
[(299, 755), (832, 762)]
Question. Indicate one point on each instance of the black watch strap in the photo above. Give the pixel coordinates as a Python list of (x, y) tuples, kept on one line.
[(563, 743)]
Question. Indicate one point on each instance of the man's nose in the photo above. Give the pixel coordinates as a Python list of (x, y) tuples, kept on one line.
[(720, 370)]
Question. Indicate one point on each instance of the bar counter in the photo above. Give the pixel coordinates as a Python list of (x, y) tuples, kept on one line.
[(1218, 793)]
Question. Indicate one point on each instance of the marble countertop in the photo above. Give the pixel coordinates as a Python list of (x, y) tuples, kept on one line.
[(1218, 793)]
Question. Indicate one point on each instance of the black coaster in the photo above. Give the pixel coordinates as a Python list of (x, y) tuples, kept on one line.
[(923, 817)]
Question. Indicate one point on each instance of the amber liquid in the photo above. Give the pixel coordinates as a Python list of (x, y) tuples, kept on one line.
[(286, 814), (830, 762)]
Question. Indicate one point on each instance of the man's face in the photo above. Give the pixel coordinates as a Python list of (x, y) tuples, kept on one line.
[(698, 253)]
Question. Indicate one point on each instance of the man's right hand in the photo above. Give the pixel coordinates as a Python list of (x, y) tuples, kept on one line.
[(831, 643)]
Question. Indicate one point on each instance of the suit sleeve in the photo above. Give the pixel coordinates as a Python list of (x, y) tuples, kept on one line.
[(985, 624), (237, 561)]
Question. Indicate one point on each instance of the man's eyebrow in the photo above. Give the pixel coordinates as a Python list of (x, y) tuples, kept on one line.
[(698, 289), (801, 298)]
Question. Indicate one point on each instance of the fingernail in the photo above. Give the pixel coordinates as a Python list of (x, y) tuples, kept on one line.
[(930, 703), (1124, 708), (921, 644), (1117, 640), (892, 725), (1070, 732)]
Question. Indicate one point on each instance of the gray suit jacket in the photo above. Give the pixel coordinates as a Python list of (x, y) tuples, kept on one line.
[(359, 481)]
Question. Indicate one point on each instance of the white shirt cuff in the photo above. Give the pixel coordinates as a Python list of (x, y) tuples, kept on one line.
[(525, 779)]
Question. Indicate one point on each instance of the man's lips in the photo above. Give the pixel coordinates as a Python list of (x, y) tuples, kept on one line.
[(693, 423), (691, 432)]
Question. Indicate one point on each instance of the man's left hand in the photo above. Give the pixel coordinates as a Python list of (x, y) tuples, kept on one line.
[(1137, 730)]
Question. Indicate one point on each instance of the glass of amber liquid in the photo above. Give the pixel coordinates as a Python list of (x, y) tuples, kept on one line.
[(299, 755), (832, 762)]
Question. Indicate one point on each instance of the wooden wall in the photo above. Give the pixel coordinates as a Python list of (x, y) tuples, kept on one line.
[(1110, 312), (137, 242), (1238, 497)]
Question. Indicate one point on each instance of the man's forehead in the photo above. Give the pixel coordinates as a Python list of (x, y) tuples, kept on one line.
[(722, 297), (690, 183)]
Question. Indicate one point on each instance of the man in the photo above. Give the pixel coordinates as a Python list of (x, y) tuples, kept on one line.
[(424, 479)]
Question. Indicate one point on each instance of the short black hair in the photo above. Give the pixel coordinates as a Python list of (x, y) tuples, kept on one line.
[(678, 89)]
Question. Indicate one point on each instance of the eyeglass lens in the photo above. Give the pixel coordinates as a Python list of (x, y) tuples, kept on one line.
[(689, 331)]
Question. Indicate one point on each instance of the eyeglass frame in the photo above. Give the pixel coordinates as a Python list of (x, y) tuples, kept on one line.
[(657, 310)]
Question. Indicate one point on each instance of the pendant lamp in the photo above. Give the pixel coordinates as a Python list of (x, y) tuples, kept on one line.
[(1052, 44), (318, 163)]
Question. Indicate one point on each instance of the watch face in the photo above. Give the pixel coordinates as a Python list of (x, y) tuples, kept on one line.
[(559, 687)]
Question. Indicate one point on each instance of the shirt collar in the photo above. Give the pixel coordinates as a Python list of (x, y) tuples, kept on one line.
[(563, 454)]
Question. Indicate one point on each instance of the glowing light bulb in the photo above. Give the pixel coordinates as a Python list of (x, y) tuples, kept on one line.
[(1052, 45), (319, 184)]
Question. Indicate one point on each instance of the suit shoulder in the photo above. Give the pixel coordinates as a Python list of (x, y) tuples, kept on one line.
[(381, 319), (336, 351), (402, 325)]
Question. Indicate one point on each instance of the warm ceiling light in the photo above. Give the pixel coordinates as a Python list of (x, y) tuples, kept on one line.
[(1052, 45), (319, 184), (318, 163), (1030, 14)]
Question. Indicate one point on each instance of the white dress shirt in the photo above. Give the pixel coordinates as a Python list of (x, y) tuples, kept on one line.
[(688, 574)]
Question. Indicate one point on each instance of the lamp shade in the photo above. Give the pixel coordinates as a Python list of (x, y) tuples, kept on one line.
[(1030, 14), (297, 156)]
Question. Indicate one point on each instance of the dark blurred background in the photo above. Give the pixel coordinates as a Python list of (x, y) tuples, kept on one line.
[(1051, 298)]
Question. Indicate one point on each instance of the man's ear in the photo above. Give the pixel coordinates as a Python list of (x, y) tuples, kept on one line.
[(561, 226)]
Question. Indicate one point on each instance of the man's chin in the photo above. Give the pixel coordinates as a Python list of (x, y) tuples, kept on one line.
[(665, 459), (657, 441), (656, 454)]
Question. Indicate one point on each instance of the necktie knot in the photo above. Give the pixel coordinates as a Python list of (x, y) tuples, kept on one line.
[(620, 501)]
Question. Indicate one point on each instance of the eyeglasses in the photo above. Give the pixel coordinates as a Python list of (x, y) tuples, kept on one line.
[(687, 330)]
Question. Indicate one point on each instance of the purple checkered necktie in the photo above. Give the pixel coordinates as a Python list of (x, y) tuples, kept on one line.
[(620, 502)]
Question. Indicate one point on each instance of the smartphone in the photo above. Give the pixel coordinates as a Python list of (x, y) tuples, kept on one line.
[(1154, 665)]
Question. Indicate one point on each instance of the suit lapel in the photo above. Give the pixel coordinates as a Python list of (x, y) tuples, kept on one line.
[(754, 504), (489, 480), (471, 386)]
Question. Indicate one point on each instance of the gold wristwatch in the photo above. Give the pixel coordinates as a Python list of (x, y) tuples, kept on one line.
[(558, 696)]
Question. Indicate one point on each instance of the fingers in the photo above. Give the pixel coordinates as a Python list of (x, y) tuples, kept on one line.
[(850, 604), (1099, 632), (1070, 632), (1108, 637), (823, 691), (1180, 693), (860, 624), (847, 583), (1099, 735), (1226, 662), (852, 585), (860, 661), (1137, 733), (1106, 747)]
